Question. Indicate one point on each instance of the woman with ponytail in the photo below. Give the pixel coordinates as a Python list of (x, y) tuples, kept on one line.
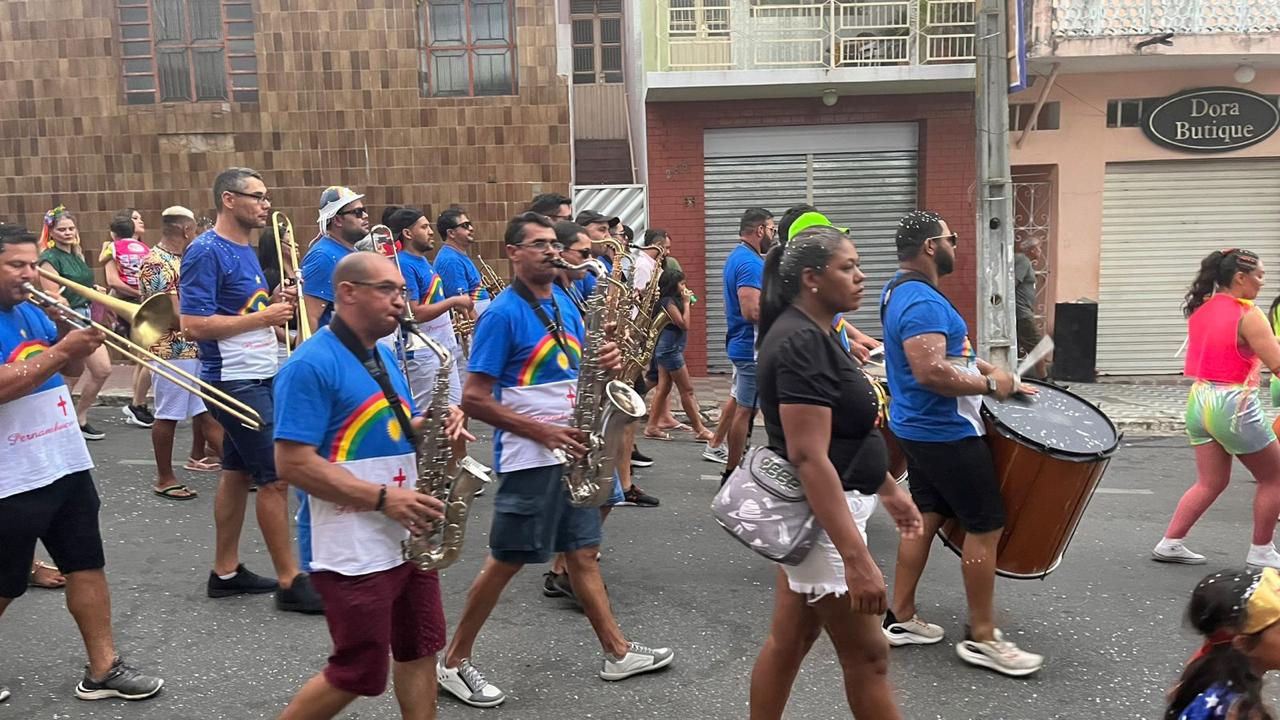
[(1237, 613), (1228, 339), (819, 414), (62, 255)]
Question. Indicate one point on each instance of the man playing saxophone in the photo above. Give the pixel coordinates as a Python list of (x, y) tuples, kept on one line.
[(342, 404), (523, 382)]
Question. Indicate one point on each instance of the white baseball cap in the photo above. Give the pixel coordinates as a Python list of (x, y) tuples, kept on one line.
[(333, 199)]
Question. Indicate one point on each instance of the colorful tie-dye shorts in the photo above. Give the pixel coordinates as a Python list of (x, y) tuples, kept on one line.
[(1230, 415)]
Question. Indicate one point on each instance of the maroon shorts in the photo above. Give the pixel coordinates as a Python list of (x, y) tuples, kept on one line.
[(397, 610)]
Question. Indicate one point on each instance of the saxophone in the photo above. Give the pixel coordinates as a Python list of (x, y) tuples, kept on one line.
[(603, 409), (440, 543)]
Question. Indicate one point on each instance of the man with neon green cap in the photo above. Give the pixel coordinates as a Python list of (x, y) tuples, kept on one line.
[(798, 219)]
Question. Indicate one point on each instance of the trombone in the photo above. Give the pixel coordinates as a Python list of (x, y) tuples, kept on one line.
[(151, 320), (304, 325), (384, 243)]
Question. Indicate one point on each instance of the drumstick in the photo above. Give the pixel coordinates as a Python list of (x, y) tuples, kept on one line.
[(1038, 353)]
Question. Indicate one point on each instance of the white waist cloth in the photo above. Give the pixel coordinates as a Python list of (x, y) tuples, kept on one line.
[(41, 441)]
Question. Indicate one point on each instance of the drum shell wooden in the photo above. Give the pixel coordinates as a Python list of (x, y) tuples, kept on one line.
[(1045, 495)]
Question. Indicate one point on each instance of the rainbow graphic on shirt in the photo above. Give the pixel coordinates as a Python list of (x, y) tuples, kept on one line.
[(259, 300), (371, 431), (842, 332), (435, 293), (27, 350), (966, 350), (547, 363), (480, 293)]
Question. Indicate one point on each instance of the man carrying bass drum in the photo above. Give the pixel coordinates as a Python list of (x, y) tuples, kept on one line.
[(936, 381)]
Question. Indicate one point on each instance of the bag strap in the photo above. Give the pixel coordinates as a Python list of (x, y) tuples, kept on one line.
[(372, 362), (903, 279)]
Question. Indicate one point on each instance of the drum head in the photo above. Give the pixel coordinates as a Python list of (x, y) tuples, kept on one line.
[(1054, 420)]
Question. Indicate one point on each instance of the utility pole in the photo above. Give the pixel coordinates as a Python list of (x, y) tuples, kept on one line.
[(996, 321)]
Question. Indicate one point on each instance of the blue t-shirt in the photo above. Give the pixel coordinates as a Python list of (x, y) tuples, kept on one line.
[(1212, 704), (459, 276), (317, 272), (25, 331), (743, 268), (42, 440), (915, 413), (326, 399), (220, 277), (534, 375)]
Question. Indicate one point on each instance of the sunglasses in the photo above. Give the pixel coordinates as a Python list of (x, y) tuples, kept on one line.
[(953, 238), (465, 226), (358, 212)]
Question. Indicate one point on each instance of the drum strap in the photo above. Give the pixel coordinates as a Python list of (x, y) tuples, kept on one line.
[(904, 278)]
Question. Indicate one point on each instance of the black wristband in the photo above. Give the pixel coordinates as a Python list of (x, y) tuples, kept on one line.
[(382, 499)]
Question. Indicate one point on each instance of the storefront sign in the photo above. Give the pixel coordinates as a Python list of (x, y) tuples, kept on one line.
[(1211, 120)]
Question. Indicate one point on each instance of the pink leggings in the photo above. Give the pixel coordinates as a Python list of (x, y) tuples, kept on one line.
[(1213, 466)]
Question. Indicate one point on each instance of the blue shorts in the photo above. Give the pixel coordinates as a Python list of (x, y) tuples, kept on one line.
[(669, 354), (744, 383), (617, 498), (252, 452), (532, 518)]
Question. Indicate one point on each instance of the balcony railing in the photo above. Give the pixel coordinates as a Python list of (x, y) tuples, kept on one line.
[(1105, 18), (750, 34)]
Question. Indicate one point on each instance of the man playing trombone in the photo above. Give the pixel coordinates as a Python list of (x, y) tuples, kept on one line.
[(227, 308), (46, 491)]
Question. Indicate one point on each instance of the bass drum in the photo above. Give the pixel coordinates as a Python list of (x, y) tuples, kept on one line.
[(1050, 450), (879, 382)]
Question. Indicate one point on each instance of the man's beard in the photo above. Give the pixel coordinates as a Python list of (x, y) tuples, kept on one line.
[(353, 235), (946, 264)]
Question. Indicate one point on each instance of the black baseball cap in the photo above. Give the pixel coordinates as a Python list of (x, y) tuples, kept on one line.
[(586, 217)]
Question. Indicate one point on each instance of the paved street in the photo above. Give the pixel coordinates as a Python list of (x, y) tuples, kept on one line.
[(1108, 620)]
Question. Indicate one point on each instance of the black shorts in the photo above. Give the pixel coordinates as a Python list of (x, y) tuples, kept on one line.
[(64, 516), (252, 452), (956, 479)]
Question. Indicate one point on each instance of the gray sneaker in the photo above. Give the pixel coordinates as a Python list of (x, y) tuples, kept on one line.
[(121, 681), (719, 454), (467, 684), (639, 659)]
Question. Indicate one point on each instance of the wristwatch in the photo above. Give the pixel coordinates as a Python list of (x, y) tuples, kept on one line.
[(991, 386)]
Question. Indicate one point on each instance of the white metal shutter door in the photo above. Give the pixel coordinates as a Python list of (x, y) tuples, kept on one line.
[(868, 192), (1159, 220), (730, 186)]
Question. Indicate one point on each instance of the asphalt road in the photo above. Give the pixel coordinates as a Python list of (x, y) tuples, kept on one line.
[(1109, 620)]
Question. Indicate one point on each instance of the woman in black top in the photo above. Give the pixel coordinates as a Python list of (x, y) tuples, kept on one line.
[(820, 413)]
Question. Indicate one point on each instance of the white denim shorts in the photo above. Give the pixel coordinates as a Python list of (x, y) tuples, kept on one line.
[(821, 573)]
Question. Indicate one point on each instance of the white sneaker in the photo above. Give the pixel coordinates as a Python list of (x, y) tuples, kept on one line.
[(1263, 556), (911, 632), (1173, 551), (1000, 655), (719, 454), (639, 659), (467, 684)]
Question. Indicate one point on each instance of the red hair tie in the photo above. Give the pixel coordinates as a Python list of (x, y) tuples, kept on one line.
[(1215, 638)]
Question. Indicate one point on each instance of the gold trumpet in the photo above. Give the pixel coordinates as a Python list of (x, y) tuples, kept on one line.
[(304, 325), (147, 322), (489, 278)]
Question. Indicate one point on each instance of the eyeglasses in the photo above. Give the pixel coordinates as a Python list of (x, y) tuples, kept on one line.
[(383, 288), (582, 252), (953, 238), (542, 245), (358, 212), (464, 225), (260, 198)]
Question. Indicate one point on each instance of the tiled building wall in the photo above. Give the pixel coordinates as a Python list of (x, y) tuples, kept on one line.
[(339, 104), (947, 175)]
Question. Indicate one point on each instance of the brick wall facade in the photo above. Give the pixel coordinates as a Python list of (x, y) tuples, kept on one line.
[(339, 104), (946, 182)]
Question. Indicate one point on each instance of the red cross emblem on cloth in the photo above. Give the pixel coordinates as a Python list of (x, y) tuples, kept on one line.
[(573, 398), (400, 478), (62, 403)]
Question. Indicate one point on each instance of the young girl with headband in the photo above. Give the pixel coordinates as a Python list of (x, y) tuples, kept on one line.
[(1237, 613)]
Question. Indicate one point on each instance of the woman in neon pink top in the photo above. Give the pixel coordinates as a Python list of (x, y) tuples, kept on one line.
[(1228, 340)]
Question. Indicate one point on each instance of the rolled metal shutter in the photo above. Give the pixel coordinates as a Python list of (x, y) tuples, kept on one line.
[(1159, 220), (865, 191)]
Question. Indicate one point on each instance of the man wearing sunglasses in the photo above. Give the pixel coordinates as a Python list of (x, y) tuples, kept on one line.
[(458, 272), (937, 382), (343, 221)]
